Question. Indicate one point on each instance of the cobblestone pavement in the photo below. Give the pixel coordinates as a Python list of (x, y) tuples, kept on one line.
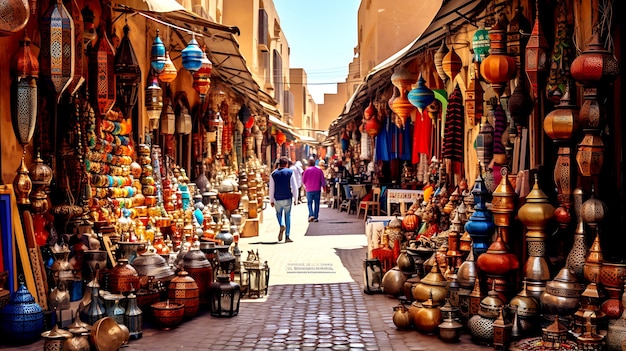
[(315, 300)]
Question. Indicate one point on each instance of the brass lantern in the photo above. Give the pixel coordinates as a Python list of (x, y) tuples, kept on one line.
[(154, 103), (536, 59), (101, 65), (168, 118), (41, 175), (498, 68), (128, 75)]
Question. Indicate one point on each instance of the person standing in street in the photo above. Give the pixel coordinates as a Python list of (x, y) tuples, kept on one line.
[(313, 180), (297, 171), (283, 191)]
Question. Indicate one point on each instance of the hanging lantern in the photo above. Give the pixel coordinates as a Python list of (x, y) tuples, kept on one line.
[(192, 56), (280, 137), (439, 55), (157, 54), (481, 44), (102, 78), (57, 52), (78, 77), (22, 184), (202, 77), (370, 111), (515, 41), (560, 123), (498, 68), (520, 105), (452, 63), (596, 65), (128, 75), (14, 15), (403, 108), (154, 103), (168, 118), (41, 177), (372, 127), (421, 96), (169, 70), (402, 78), (474, 97), (484, 139), (24, 69), (536, 59)]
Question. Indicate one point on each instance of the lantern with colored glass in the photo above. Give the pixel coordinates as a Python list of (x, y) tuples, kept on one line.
[(101, 65), (157, 55), (24, 69), (224, 297), (421, 96), (192, 56), (128, 75), (57, 52), (536, 59), (498, 68), (154, 103), (202, 77), (372, 276), (481, 44)]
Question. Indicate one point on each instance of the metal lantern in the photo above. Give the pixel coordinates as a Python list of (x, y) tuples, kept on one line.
[(133, 317), (451, 63), (421, 96), (169, 72), (14, 15), (41, 177), (402, 79), (202, 77), (102, 78), (224, 297), (128, 75), (22, 318), (89, 28), (498, 68), (78, 78), (157, 54), (154, 103), (438, 59), (57, 52), (24, 69), (258, 278), (481, 44), (372, 276), (536, 60), (192, 56)]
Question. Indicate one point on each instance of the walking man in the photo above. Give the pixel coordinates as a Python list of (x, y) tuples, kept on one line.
[(297, 171), (313, 180), (283, 192)]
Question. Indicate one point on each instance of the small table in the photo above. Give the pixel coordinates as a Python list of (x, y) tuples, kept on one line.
[(402, 196)]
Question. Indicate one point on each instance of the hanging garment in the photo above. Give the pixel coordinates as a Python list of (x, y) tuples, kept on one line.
[(405, 146), (422, 134), (453, 130), (382, 142)]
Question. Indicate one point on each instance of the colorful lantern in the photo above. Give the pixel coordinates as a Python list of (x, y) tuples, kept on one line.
[(280, 137), (192, 56), (452, 63), (14, 15), (421, 96), (402, 78), (474, 97), (154, 103), (373, 126), (202, 77), (57, 52), (596, 65), (498, 68), (481, 44), (128, 75), (536, 61), (103, 80), (403, 108), (439, 55), (169, 70), (157, 54)]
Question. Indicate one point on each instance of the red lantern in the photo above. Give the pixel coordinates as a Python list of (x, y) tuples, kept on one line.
[(498, 68), (537, 62), (372, 126), (280, 137)]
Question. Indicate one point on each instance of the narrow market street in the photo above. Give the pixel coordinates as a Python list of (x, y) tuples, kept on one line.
[(315, 299)]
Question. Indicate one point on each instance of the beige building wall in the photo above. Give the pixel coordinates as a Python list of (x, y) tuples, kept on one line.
[(261, 57), (305, 111), (384, 27)]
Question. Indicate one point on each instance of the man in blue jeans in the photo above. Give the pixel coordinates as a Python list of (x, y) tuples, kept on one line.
[(313, 180), (283, 192)]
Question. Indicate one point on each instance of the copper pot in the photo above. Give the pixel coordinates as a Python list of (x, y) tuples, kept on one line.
[(433, 286), (612, 275), (401, 317), (168, 314), (393, 282), (450, 330), (427, 318), (123, 278), (107, 335), (183, 289), (562, 294)]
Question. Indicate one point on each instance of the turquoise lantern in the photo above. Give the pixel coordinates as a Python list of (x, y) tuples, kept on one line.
[(192, 56), (481, 44), (421, 96), (157, 54)]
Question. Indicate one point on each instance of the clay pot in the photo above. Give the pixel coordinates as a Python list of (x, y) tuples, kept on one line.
[(123, 278), (183, 289), (168, 315)]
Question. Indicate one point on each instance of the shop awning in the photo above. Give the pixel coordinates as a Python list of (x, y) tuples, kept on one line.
[(451, 15), (222, 47)]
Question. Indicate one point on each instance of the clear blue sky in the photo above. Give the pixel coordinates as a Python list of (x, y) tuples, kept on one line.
[(322, 35)]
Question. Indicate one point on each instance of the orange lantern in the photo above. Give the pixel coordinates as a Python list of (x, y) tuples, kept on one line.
[(451, 63), (498, 68), (280, 137)]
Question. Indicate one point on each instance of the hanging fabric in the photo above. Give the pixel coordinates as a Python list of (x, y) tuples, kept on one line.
[(453, 130), (422, 133), (382, 142), (407, 133)]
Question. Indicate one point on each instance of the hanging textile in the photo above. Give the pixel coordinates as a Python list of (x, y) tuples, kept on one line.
[(422, 134), (394, 140), (453, 130), (382, 142), (407, 133)]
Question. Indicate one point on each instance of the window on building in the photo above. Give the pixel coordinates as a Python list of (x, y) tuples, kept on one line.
[(278, 77), (263, 31)]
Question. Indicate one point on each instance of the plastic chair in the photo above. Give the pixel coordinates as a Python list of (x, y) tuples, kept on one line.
[(373, 205), (349, 202)]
